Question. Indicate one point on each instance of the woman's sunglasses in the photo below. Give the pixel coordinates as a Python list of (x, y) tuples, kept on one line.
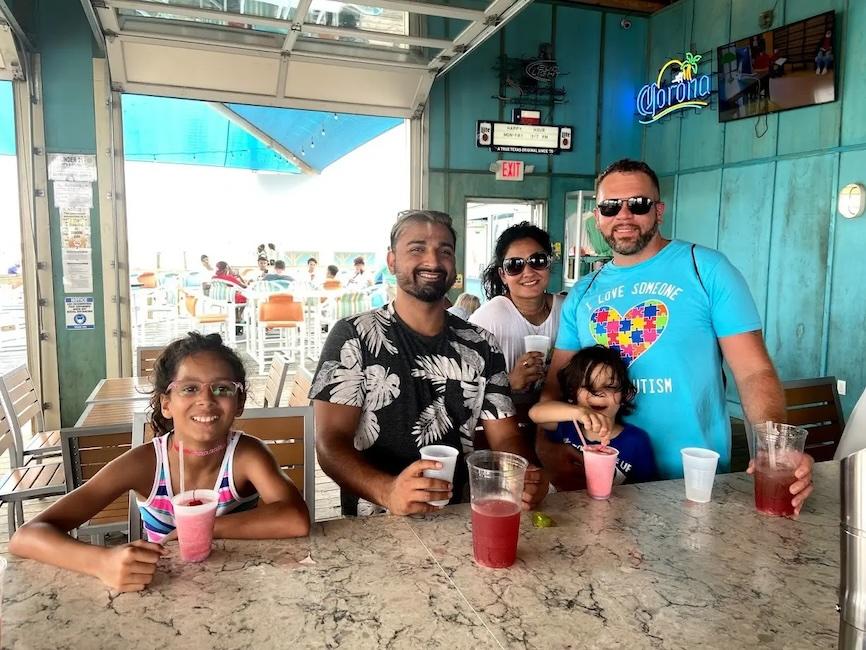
[(536, 261), (636, 205)]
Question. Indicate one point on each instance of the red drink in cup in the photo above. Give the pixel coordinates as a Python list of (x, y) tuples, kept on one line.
[(496, 486), (194, 514), (495, 524), (776, 450), (599, 463), (772, 488)]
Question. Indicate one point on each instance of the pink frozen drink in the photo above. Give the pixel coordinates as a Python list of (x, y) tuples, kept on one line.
[(599, 463), (194, 514)]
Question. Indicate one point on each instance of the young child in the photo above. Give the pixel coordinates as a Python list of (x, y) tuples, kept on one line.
[(597, 393), (198, 391)]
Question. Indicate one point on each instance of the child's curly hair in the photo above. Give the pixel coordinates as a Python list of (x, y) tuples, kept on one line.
[(166, 366), (578, 372)]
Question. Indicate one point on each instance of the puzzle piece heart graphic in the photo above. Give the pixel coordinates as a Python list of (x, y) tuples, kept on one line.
[(632, 334)]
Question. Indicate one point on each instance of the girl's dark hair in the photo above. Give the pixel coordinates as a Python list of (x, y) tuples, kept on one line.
[(490, 280), (577, 374), (166, 366)]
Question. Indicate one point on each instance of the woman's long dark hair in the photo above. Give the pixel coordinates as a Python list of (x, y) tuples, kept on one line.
[(490, 280), (166, 366)]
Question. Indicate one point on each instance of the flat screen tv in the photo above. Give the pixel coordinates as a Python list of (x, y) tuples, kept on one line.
[(787, 67)]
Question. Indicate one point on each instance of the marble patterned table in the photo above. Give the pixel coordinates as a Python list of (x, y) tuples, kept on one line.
[(646, 569)]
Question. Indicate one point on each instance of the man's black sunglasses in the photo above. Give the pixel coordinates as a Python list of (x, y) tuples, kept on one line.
[(636, 205), (536, 261)]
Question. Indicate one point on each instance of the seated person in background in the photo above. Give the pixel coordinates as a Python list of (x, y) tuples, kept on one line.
[(205, 262), (361, 280), (225, 273), (261, 504), (312, 276), (331, 281), (597, 393), (465, 305), (263, 268), (279, 273)]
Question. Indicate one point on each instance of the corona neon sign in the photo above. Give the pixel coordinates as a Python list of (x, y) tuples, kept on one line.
[(687, 89)]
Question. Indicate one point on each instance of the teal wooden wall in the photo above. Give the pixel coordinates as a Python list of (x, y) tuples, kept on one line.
[(605, 67), (769, 202)]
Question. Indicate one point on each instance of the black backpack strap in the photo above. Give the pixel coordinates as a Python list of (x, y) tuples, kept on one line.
[(698, 273)]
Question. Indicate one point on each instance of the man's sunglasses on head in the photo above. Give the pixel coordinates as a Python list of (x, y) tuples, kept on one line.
[(536, 261), (636, 205)]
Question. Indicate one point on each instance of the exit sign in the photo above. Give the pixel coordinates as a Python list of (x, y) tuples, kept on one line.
[(510, 170)]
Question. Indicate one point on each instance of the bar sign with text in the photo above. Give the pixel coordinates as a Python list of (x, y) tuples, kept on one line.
[(510, 170)]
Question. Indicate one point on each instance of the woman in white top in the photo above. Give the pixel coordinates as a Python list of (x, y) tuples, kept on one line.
[(516, 286)]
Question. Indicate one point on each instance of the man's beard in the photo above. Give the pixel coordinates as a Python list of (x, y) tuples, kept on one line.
[(423, 289), (631, 248)]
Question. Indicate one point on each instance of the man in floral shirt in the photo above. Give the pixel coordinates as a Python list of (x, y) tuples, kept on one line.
[(410, 374)]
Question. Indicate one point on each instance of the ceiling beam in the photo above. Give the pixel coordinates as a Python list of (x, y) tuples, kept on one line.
[(636, 6), (297, 24), (261, 136)]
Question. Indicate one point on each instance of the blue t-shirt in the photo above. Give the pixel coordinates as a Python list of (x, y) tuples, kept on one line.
[(665, 320), (636, 462)]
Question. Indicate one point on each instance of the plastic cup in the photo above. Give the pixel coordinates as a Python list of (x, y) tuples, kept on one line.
[(195, 523), (776, 450), (448, 457), (496, 492), (600, 467), (699, 471), (537, 343)]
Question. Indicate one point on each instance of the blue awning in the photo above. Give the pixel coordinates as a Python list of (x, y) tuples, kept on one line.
[(162, 129)]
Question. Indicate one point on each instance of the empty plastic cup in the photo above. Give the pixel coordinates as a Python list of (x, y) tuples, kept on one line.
[(448, 457), (194, 514), (599, 464), (537, 343), (496, 488), (699, 472), (777, 451)]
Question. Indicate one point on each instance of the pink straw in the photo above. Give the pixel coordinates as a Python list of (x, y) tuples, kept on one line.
[(180, 462), (580, 435)]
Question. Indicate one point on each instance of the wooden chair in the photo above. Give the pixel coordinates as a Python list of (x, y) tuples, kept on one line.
[(22, 404), (24, 483), (814, 405), (289, 435), (301, 383), (86, 450), (276, 380), (147, 356)]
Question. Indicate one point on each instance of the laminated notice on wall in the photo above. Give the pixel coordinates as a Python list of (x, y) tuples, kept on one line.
[(77, 271), (71, 167), (79, 313), (76, 251), (73, 194)]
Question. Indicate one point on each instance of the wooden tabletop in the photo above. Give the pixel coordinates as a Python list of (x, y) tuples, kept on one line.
[(120, 389), (110, 413)]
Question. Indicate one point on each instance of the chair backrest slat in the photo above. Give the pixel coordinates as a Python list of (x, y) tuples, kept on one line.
[(7, 440), (814, 404), (302, 382), (147, 356), (26, 407), (276, 380)]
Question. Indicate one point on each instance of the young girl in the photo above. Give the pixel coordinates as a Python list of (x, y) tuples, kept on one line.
[(198, 391), (597, 393)]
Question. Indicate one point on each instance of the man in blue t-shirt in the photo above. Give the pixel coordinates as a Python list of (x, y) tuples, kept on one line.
[(673, 310)]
